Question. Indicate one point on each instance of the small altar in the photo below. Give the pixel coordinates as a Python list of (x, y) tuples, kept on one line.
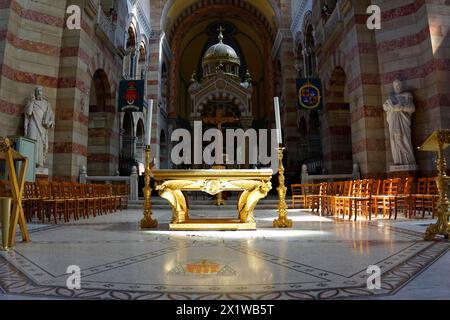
[(254, 185)]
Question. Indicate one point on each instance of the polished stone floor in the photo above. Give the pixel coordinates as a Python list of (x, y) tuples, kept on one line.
[(320, 258)]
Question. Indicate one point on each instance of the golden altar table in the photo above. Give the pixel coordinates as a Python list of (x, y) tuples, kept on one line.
[(254, 185)]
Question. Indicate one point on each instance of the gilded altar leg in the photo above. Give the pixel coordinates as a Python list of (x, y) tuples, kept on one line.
[(178, 203), (249, 200)]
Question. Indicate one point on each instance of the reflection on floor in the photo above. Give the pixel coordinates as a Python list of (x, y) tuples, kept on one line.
[(319, 258)]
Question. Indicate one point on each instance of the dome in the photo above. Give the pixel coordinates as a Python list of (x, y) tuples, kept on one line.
[(221, 54)]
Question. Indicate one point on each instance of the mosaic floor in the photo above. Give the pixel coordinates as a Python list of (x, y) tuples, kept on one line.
[(318, 259)]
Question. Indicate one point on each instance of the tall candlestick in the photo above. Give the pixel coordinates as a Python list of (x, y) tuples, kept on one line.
[(148, 133), (278, 120)]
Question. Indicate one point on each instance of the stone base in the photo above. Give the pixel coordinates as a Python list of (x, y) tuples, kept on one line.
[(42, 174), (404, 171), (212, 225)]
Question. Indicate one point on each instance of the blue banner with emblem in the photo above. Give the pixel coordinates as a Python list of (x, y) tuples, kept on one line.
[(309, 93), (131, 96)]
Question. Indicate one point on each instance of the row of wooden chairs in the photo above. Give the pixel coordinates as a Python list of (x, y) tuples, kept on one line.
[(67, 200), (368, 198)]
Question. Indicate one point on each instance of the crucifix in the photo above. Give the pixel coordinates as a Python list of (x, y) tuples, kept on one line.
[(219, 119)]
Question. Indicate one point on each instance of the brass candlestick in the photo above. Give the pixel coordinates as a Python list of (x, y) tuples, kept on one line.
[(443, 204), (148, 222), (282, 221)]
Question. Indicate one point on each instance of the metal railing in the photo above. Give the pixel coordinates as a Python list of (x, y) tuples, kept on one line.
[(109, 28)]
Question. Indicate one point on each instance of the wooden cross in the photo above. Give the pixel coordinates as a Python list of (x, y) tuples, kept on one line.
[(219, 119)]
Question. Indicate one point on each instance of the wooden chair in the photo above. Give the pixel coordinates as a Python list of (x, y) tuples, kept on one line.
[(339, 201), (316, 198), (71, 201), (31, 201), (418, 199), (115, 200), (386, 201), (425, 198), (93, 205), (403, 199), (107, 200), (47, 204), (333, 189), (297, 196), (122, 191), (80, 200), (359, 202), (60, 203)]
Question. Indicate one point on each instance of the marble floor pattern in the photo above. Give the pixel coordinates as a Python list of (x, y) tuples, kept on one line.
[(320, 258)]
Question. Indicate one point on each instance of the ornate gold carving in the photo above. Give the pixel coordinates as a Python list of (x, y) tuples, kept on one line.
[(439, 141), (5, 144), (148, 222), (255, 185), (213, 187), (282, 221)]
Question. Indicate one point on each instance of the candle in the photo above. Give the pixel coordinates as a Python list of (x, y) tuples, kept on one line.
[(148, 132), (278, 120)]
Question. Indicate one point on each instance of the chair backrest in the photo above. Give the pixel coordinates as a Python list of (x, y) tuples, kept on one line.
[(110, 190), (432, 186), (338, 188), (333, 188), (394, 186), (356, 188), (76, 190), (296, 189), (376, 186), (308, 189), (366, 188), (29, 190), (406, 186), (422, 185), (386, 185), (44, 189), (122, 190), (67, 190), (348, 188), (323, 188), (83, 190), (89, 190), (57, 192)]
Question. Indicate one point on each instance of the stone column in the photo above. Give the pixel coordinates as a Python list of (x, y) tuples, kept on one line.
[(285, 54)]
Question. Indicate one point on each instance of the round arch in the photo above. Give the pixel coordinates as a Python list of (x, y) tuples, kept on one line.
[(100, 156), (219, 10), (173, 9), (337, 131)]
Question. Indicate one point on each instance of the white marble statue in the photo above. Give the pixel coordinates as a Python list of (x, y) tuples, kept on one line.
[(38, 120), (399, 109)]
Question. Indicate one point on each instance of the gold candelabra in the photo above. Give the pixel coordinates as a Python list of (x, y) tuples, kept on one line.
[(282, 221), (443, 204), (148, 222)]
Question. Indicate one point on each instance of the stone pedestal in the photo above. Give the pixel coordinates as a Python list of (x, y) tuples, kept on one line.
[(42, 174), (402, 171)]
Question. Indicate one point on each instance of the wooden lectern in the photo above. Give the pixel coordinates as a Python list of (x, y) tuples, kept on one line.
[(17, 184), (438, 142)]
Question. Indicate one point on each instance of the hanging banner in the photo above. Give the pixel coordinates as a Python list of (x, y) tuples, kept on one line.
[(131, 96), (309, 92)]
